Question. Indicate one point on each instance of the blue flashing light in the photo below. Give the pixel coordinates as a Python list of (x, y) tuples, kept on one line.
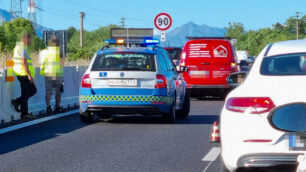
[(151, 41), (110, 41)]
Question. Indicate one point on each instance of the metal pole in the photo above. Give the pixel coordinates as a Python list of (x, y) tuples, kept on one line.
[(81, 29), (297, 25)]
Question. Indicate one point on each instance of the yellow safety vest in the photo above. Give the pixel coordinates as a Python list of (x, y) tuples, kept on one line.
[(51, 63), (18, 67)]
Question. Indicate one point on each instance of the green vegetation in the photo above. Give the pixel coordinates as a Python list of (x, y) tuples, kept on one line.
[(92, 41), (10, 33), (254, 41)]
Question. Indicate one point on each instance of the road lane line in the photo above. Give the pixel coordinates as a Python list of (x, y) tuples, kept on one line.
[(37, 121), (211, 156)]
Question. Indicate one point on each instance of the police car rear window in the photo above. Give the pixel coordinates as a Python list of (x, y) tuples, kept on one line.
[(290, 64), (124, 62)]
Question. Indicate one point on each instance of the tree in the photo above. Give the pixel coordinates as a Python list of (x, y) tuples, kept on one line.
[(235, 30), (278, 26), (70, 32), (10, 33), (92, 41)]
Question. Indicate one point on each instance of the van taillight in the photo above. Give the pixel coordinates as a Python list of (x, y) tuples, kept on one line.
[(86, 83), (234, 67), (161, 81), (251, 105)]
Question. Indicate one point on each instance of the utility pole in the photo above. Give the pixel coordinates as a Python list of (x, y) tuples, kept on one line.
[(122, 22), (81, 29), (297, 24)]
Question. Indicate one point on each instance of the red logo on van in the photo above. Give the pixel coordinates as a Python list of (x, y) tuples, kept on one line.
[(220, 51)]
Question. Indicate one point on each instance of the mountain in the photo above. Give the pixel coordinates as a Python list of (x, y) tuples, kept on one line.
[(5, 16), (177, 37)]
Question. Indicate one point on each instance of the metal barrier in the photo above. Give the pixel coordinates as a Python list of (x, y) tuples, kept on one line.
[(11, 90)]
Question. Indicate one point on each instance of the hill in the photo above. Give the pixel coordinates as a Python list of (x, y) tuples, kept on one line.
[(177, 37)]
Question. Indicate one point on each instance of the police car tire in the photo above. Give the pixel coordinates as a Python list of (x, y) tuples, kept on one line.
[(170, 117), (86, 117), (184, 112)]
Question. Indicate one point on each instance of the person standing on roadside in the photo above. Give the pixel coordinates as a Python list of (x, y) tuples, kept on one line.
[(52, 69), (25, 73)]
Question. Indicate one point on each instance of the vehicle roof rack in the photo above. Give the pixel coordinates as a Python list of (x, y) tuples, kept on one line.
[(194, 38)]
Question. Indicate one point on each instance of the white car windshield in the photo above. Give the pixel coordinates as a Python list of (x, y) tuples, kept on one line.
[(290, 64)]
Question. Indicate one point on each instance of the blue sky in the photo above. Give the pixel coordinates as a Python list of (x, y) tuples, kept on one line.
[(254, 14)]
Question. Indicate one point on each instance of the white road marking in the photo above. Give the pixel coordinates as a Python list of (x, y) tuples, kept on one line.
[(37, 121), (211, 156)]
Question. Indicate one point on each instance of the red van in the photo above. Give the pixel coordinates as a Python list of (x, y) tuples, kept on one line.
[(207, 62)]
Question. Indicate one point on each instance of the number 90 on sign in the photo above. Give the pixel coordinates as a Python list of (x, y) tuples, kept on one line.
[(163, 21)]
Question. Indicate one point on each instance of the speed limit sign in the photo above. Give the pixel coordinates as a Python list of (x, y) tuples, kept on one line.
[(163, 21)]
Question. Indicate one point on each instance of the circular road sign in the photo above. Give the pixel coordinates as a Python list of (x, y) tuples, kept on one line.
[(163, 21)]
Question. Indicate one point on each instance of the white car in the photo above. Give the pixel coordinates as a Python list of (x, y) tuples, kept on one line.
[(277, 77)]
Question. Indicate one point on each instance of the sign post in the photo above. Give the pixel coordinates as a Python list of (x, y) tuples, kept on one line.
[(163, 22)]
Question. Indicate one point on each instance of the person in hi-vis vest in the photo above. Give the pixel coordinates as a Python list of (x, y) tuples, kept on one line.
[(24, 70), (52, 69)]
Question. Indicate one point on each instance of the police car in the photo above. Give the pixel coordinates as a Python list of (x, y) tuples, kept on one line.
[(133, 79)]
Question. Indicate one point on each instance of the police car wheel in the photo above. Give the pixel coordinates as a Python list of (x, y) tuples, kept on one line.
[(86, 117), (170, 117), (184, 112)]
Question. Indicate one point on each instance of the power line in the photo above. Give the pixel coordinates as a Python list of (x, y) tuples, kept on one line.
[(104, 11), (74, 15)]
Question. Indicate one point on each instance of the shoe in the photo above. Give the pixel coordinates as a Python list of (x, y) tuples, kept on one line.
[(48, 109), (27, 116), (15, 105), (58, 109)]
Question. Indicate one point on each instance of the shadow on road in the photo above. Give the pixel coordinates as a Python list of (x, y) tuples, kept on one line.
[(192, 119), (207, 98), (34, 134)]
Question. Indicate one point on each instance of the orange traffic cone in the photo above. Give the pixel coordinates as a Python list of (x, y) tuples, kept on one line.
[(215, 136)]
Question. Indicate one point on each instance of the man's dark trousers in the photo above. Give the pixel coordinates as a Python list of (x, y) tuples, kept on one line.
[(28, 89)]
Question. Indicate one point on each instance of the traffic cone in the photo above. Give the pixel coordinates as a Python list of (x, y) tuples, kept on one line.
[(215, 135)]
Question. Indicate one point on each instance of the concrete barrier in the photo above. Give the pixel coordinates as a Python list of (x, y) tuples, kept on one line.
[(7, 114), (11, 90)]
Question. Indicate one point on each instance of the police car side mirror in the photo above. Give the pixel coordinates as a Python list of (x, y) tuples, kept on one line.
[(235, 79)]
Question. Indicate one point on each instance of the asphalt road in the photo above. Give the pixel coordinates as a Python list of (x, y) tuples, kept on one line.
[(119, 144)]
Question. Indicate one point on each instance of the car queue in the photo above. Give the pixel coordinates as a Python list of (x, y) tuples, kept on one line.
[(140, 78)]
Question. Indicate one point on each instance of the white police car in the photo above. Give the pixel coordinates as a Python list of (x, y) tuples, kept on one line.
[(133, 80)]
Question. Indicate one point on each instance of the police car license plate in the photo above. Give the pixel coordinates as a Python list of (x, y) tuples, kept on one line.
[(122, 82), (297, 141)]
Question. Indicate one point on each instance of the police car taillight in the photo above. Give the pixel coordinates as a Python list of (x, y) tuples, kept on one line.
[(86, 83), (250, 105), (161, 81)]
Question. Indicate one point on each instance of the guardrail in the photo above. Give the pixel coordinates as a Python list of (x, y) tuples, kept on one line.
[(11, 90)]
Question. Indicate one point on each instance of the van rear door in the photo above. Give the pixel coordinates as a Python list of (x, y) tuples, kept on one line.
[(208, 62)]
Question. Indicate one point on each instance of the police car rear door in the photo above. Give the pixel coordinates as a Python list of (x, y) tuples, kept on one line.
[(123, 70)]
